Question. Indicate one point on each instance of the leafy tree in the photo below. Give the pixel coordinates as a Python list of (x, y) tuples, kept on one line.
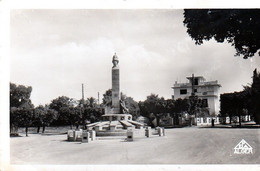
[(14, 120), (131, 105), (93, 114), (227, 105), (240, 27), (194, 104), (233, 104), (153, 107), (24, 117), (69, 115), (44, 116), (253, 97), (90, 111), (239, 101), (181, 106), (92, 102), (176, 108), (243, 102), (255, 94), (21, 108), (19, 95), (64, 106)]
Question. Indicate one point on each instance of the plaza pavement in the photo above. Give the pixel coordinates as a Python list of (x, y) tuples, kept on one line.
[(191, 145)]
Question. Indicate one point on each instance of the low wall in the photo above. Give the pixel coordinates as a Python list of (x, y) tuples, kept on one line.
[(137, 133)]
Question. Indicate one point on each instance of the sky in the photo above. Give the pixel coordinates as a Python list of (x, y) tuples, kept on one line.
[(55, 51)]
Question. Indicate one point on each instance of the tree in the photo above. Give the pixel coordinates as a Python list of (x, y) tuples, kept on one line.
[(131, 105), (21, 107), (19, 95), (239, 99), (254, 97), (243, 102), (14, 121), (93, 114), (69, 115), (24, 117), (64, 106), (87, 110), (233, 104), (240, 27), (225, 106), (153, 107), (176, 108), (181, 106), (194, 104), (44, 116), (92, 102)]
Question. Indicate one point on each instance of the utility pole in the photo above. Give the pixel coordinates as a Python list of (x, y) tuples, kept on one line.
[(82, 107), (82, 94), (192, 85), (98, 98)]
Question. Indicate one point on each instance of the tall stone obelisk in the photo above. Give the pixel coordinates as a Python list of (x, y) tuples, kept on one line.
[(115, 86)]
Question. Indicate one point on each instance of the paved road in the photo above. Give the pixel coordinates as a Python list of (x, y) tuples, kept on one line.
[(179, 146)]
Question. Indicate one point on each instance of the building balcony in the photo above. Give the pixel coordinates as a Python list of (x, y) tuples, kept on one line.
[(200, 94), (184, 85)]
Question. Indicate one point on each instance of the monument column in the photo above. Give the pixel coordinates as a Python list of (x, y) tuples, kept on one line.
[(115, 86)]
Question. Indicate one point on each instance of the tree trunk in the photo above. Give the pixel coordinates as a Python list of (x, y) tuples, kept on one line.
[(77, 125), (70, 126), (195, 119), (157, 121), (43, 128), (84, 124), (230, 118), (239, 120), (150, 122), (224, 121), (26, 131), (38, 129)]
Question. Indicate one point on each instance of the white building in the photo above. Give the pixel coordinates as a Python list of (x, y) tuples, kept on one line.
[(208, 91)]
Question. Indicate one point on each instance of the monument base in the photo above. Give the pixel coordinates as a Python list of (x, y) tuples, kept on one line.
[(116, 125)]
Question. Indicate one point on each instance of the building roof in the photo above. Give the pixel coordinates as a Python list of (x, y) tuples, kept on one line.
[(196, 77)]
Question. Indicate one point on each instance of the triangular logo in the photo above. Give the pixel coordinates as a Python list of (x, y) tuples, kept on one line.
[(243, 148)]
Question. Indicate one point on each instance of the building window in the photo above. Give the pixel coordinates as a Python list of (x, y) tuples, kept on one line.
[(195, 90), (205, 102), (204, 93), (183, 91)]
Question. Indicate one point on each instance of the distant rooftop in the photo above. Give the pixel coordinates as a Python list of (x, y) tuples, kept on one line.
[(195, 77), (201, 81)]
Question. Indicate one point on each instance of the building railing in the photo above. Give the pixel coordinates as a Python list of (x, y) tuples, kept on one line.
[(200, 84), (182, 84)]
